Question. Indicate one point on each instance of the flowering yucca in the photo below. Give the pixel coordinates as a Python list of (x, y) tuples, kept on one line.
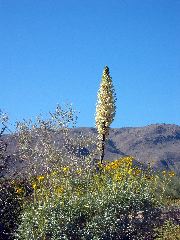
[(105, 109)]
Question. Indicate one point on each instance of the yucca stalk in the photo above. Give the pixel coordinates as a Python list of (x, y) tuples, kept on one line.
[(105, 109)]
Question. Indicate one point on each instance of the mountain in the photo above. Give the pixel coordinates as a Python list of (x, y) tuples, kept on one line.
[(157, 144)]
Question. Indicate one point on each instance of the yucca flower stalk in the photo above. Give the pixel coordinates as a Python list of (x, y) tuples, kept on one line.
[(105, 109)]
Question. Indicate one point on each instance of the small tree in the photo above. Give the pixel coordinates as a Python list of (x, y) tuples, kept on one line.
[(47, 145), (105, 109)]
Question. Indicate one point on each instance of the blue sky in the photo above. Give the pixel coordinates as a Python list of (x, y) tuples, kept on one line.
[(54, 51)]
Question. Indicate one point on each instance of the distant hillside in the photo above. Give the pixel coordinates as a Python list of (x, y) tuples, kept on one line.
[(158, 144)]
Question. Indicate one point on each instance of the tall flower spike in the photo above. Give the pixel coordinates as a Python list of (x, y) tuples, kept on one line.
[(105, 108)]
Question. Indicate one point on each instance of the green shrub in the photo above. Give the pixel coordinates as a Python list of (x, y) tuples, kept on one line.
[(118, 202), (173, 188), (168, 231), (10, 210)]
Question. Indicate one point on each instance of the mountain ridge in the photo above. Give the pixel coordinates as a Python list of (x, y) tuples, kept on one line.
[(157, 144)]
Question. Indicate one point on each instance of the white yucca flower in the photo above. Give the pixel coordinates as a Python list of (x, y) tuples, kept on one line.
[(105, 108)]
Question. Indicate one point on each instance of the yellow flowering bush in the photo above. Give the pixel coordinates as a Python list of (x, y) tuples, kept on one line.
[(118, 200)]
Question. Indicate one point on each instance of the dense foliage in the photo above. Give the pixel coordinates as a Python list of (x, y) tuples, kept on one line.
[(118, 202)]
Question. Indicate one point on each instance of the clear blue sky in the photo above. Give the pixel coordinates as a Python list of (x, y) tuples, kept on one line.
[(54, 51)]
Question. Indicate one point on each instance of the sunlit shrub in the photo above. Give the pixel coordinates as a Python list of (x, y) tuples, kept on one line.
[(46, 145), (168, 231), (117, 202), (172, 190)]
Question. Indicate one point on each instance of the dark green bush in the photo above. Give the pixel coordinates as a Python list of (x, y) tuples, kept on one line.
[(168, 231), (10, 208), (173, 188)]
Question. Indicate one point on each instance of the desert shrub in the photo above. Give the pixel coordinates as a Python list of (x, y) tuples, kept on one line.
[(117, 202), (169, 186), (168, 231), (10, 205), (9, 202), (48, 144), (172, 190), (44, 146), (13, 192)]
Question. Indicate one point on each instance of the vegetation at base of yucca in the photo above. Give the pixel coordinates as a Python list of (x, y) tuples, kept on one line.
[(40, 153), (168, 231), (119, 200)]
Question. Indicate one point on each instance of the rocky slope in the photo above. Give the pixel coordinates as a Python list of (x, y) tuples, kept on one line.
[(157, 144)]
